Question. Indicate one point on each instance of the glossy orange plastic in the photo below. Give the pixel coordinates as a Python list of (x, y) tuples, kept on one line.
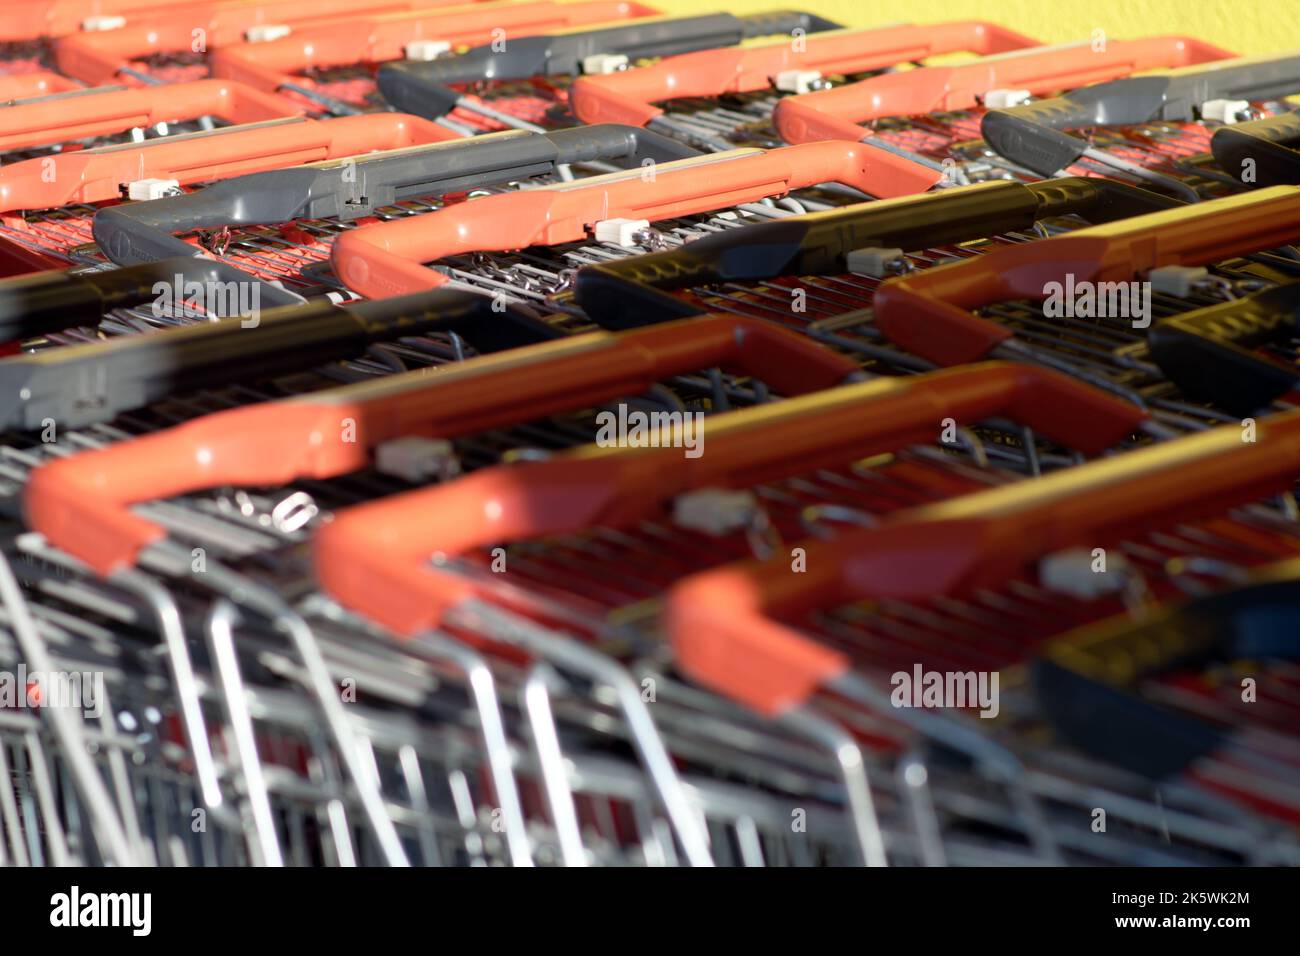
[(96, 175), (81, 116), (835, 113), (35, 19), (22, 86), (724, 623), (373, 558), (81, 503), (98, 56), (386, 259), (931, 312), (377, 39), (628, 97)]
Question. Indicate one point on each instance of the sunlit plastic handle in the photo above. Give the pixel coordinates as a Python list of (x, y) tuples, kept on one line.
[(931, 313), (388, 258), (372, 558), (81, 503), (627, 97), (834, 114), (724, 623)]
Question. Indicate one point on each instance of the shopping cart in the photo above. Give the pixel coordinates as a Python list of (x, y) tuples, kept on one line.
[(330, 64), (1035, 134), (1171, 250), (427, 88), (959, 560), (167, 46), (232, 523)]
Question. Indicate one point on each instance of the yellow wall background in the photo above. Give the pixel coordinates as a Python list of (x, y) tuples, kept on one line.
[(1243, 26)]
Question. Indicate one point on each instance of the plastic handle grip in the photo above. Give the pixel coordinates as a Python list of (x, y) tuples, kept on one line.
[(380, 38), (632, 291), (1034, 136), (627, 97), (426, 89), (98, 56), (81, 503), (80, 116), (931, 313), (617, 487), (56, 18), (723, 623), (387, 258), (21, 86), (59, 299), (96, 175), (1263, 152), (142, 231), (1208, 353), (834, 113)]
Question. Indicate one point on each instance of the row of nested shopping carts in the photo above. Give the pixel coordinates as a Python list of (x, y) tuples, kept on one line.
[(318, 311)]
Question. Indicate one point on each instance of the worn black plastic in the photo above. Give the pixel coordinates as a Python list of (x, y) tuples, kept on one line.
[(1090, 707), (1262, 152), (1210, 353), (45, 302), (82, 385), (1034, 134)]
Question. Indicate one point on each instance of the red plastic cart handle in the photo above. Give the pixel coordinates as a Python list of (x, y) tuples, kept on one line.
[(627, 97), (377, 39), (96, 175), (81, 503), (98, 57), (21, 86), (931, 313), (35, 19), (722, 622), (386, 259), (373, 558), (834, 114), (80, 116)]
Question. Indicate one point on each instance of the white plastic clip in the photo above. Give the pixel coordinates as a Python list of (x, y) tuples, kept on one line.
[(621, 232), (266, 32), (796, 81), (426, 49), (600, 64), (141, 190), (1176, 280), (874, 261), (101, 22), (1074, 572), (1005, 99), (715, 511), (1224, 111), (417, 459)]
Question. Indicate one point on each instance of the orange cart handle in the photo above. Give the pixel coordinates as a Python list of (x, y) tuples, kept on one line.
[(386, 259), (617, 487), (931, 313), (81, 503), (834, 114), (22, 86), (723, 623), (38, 19), (81, 116), (98, 56), (627, 97), (96, 175), (380, 38)]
